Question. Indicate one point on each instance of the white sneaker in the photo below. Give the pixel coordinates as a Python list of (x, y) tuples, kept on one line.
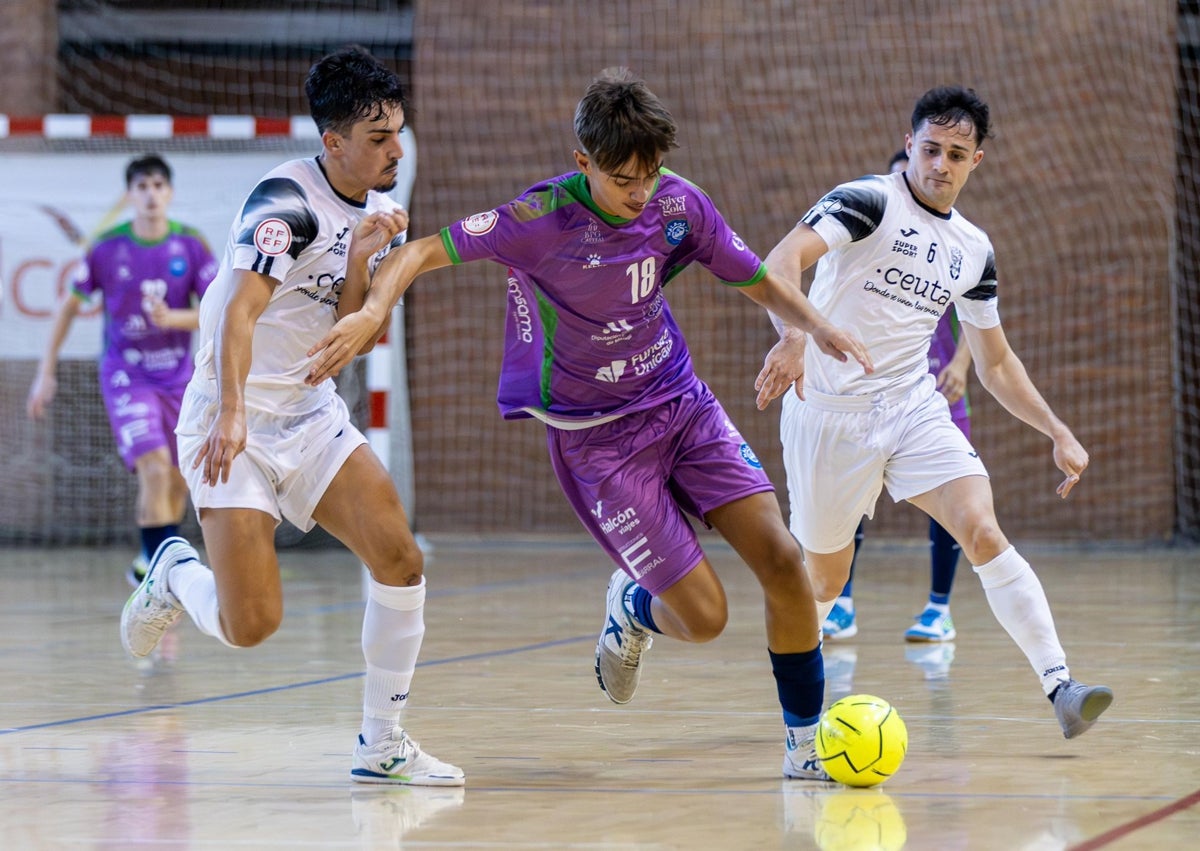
[(621, 644), (152, 608), (800, 759), (399, 760)]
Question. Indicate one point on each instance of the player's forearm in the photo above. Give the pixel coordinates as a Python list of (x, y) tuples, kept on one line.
[(1010, 384), (789, 309), (233, 351), (397, 272), (67, 312), (354, 289), (182, 318)]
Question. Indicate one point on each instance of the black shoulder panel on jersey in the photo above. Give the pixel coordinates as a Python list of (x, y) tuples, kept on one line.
[(858, 206), (986, 288), (279, 198)]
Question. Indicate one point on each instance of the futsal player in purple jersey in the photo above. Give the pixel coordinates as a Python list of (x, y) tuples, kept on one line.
[(949, 362), (892, 254), (150, 273), (636, 439)]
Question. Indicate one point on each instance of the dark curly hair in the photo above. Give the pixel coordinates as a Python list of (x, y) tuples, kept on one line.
[(349, 85)]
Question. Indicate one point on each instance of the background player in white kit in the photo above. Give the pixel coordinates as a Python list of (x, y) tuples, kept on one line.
[(893, 254), (257, 443)]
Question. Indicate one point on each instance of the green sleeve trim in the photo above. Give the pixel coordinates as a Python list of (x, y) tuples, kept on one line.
[(549, 319), (758, 276), (448, 244)]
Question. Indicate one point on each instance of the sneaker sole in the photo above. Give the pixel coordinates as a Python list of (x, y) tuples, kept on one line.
[(360, 775), (918, 638), (603, 688)]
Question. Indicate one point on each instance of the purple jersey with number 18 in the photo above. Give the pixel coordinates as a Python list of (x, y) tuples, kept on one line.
[(589, 335)]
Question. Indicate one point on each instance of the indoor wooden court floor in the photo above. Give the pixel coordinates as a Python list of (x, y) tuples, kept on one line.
[(214, 748)]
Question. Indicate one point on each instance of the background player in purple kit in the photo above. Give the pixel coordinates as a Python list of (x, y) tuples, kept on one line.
[(150, 273), (636, 440), (949, 362)]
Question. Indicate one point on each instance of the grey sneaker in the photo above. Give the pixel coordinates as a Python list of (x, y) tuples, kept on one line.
[(800, 760), (622, 643), (151, 608), (1078, 706)]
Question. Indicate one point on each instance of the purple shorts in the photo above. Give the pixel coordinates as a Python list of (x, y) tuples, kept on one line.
[(142, 415), (961, 417), (631, 481)]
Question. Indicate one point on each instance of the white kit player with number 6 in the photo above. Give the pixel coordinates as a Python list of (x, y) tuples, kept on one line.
[(893, 255), (257, 443)]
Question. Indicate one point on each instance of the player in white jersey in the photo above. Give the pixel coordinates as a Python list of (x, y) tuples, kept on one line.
[(257, 443), (892, 254)]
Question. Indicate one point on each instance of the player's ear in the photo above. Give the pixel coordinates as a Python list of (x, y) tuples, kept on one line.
[(582, 161), (331, 140), (976, 159)]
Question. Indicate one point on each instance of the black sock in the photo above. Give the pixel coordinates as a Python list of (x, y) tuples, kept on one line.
[(152, 536)]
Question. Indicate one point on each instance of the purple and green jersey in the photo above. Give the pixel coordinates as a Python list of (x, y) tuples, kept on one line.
[(130, 274), (589, 336)]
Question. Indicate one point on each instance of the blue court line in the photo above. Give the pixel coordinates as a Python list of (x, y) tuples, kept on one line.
[(141, 710)]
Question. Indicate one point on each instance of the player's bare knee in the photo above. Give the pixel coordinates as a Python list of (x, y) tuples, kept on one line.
[(401, 566), (984, 542), (705, 629), (252, 628)]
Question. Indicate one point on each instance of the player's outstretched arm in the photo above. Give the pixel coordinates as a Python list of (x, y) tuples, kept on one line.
[(784, 300), (393, 277), (1003, 375), (371, 235), (45, 383)]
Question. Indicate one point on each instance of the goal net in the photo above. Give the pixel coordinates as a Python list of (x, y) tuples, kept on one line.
[(1088, 191)]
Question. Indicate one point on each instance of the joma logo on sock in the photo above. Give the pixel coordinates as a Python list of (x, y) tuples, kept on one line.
[(396, 698)]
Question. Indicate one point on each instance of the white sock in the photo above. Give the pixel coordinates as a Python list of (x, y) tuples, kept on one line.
[(393, 627), (823, 610), (195, 587), (796, 736), (1019, 604)]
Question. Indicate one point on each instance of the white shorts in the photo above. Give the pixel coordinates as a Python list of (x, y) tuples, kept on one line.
[(288, 462), (839, 452)]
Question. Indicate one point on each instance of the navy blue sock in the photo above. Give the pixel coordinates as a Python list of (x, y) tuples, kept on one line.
[(848, 590), (640, 603), (800, 679), (152, 536), (943, 552)]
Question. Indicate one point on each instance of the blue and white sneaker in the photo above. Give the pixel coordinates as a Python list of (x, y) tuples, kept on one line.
[(399, 760), (933, 624), (622, 642), (840, 623), (151, 609), (800, 758)]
